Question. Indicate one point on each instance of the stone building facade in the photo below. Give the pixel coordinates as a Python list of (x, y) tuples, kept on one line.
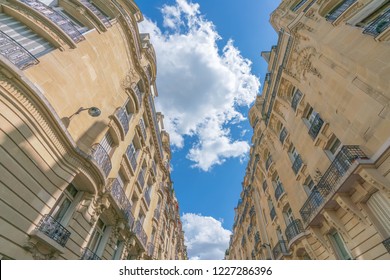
[(84, 158), (318, 180)]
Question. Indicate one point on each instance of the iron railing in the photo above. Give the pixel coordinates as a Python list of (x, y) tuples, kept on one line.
[(265, 185), (100, 155), (283, 135), (280, 249), (140, 233), (330, 179), (386, 243), (15, 52), (132, 156), (272, 213), (147, 198), (297, 164), (309, 5), (97, 12), (123, 119), (316, 126), (298, 5), (89, 255), (293, 229), (61, 21), (257, 238), (268, 162), (249, 230), (150, 249), (338, 10), (379, 25), (122, 201), (279, 191), (143, 129), (252, 211), (295, 100), (138, 94), (129, 215), (53, 229)]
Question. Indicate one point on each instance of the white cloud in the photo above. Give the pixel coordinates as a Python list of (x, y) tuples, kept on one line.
[(205, 237), (200, 86)]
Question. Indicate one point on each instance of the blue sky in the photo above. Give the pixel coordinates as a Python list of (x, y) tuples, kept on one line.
[(209, 72)]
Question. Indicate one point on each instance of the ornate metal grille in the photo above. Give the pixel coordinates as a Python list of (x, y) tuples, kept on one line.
[(53, 229)]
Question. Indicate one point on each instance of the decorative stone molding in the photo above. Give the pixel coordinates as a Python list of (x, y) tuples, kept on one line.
[(349, 206), (334, 221), (376, 180), (34, 248)]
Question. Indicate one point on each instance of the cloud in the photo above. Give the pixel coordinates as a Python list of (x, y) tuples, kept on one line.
[(205, 237), (201, 86)]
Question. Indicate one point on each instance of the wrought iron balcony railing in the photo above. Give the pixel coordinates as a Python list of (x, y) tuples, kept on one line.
[(143, 129), (89, 255), (280, 249), (122, 201), (95, 10), (386, 243), (268, 162), (150, 249), (379, 25), (123, 119), (15, 53), (132, 156), (296, 98), (341, 8), (279, 191), (298, 5), (61, 21), (293, 229), (129, 215), (53, 229), (330, 179), (257, 237), (140, 233), (297, 164), (265, 185), (102, 158), (316, 126), (283, 135), (272, 213), (252, 211), (138, 94), (155, 124)]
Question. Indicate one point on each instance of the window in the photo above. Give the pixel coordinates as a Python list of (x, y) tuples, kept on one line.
[(288, 216), (378, 21), (332, 147), (339, 9), (118, 249), (130, 109), (296, 99), (339, 246), (379, 207), (293, 154), (99, 238), (308, 185), (63, 210), (107, 143)]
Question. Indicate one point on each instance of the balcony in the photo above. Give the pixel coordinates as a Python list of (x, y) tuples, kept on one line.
[(386, 243), (15, 53), (123, 119), (56, 18), (283, 135), (129, 216), (132, 155), (143, 129), (96, 11), (89, 255), (339, 10), (297, 164), (330, 180), (265, 185), (53, 229), (379, 25), (279, 191), (252, 211), (296, 98), (294, 229), (298, 5), (268, 163), (101, 157), (280, 250), (140, 233), (150, 249), (272, 213), (316, 127)]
